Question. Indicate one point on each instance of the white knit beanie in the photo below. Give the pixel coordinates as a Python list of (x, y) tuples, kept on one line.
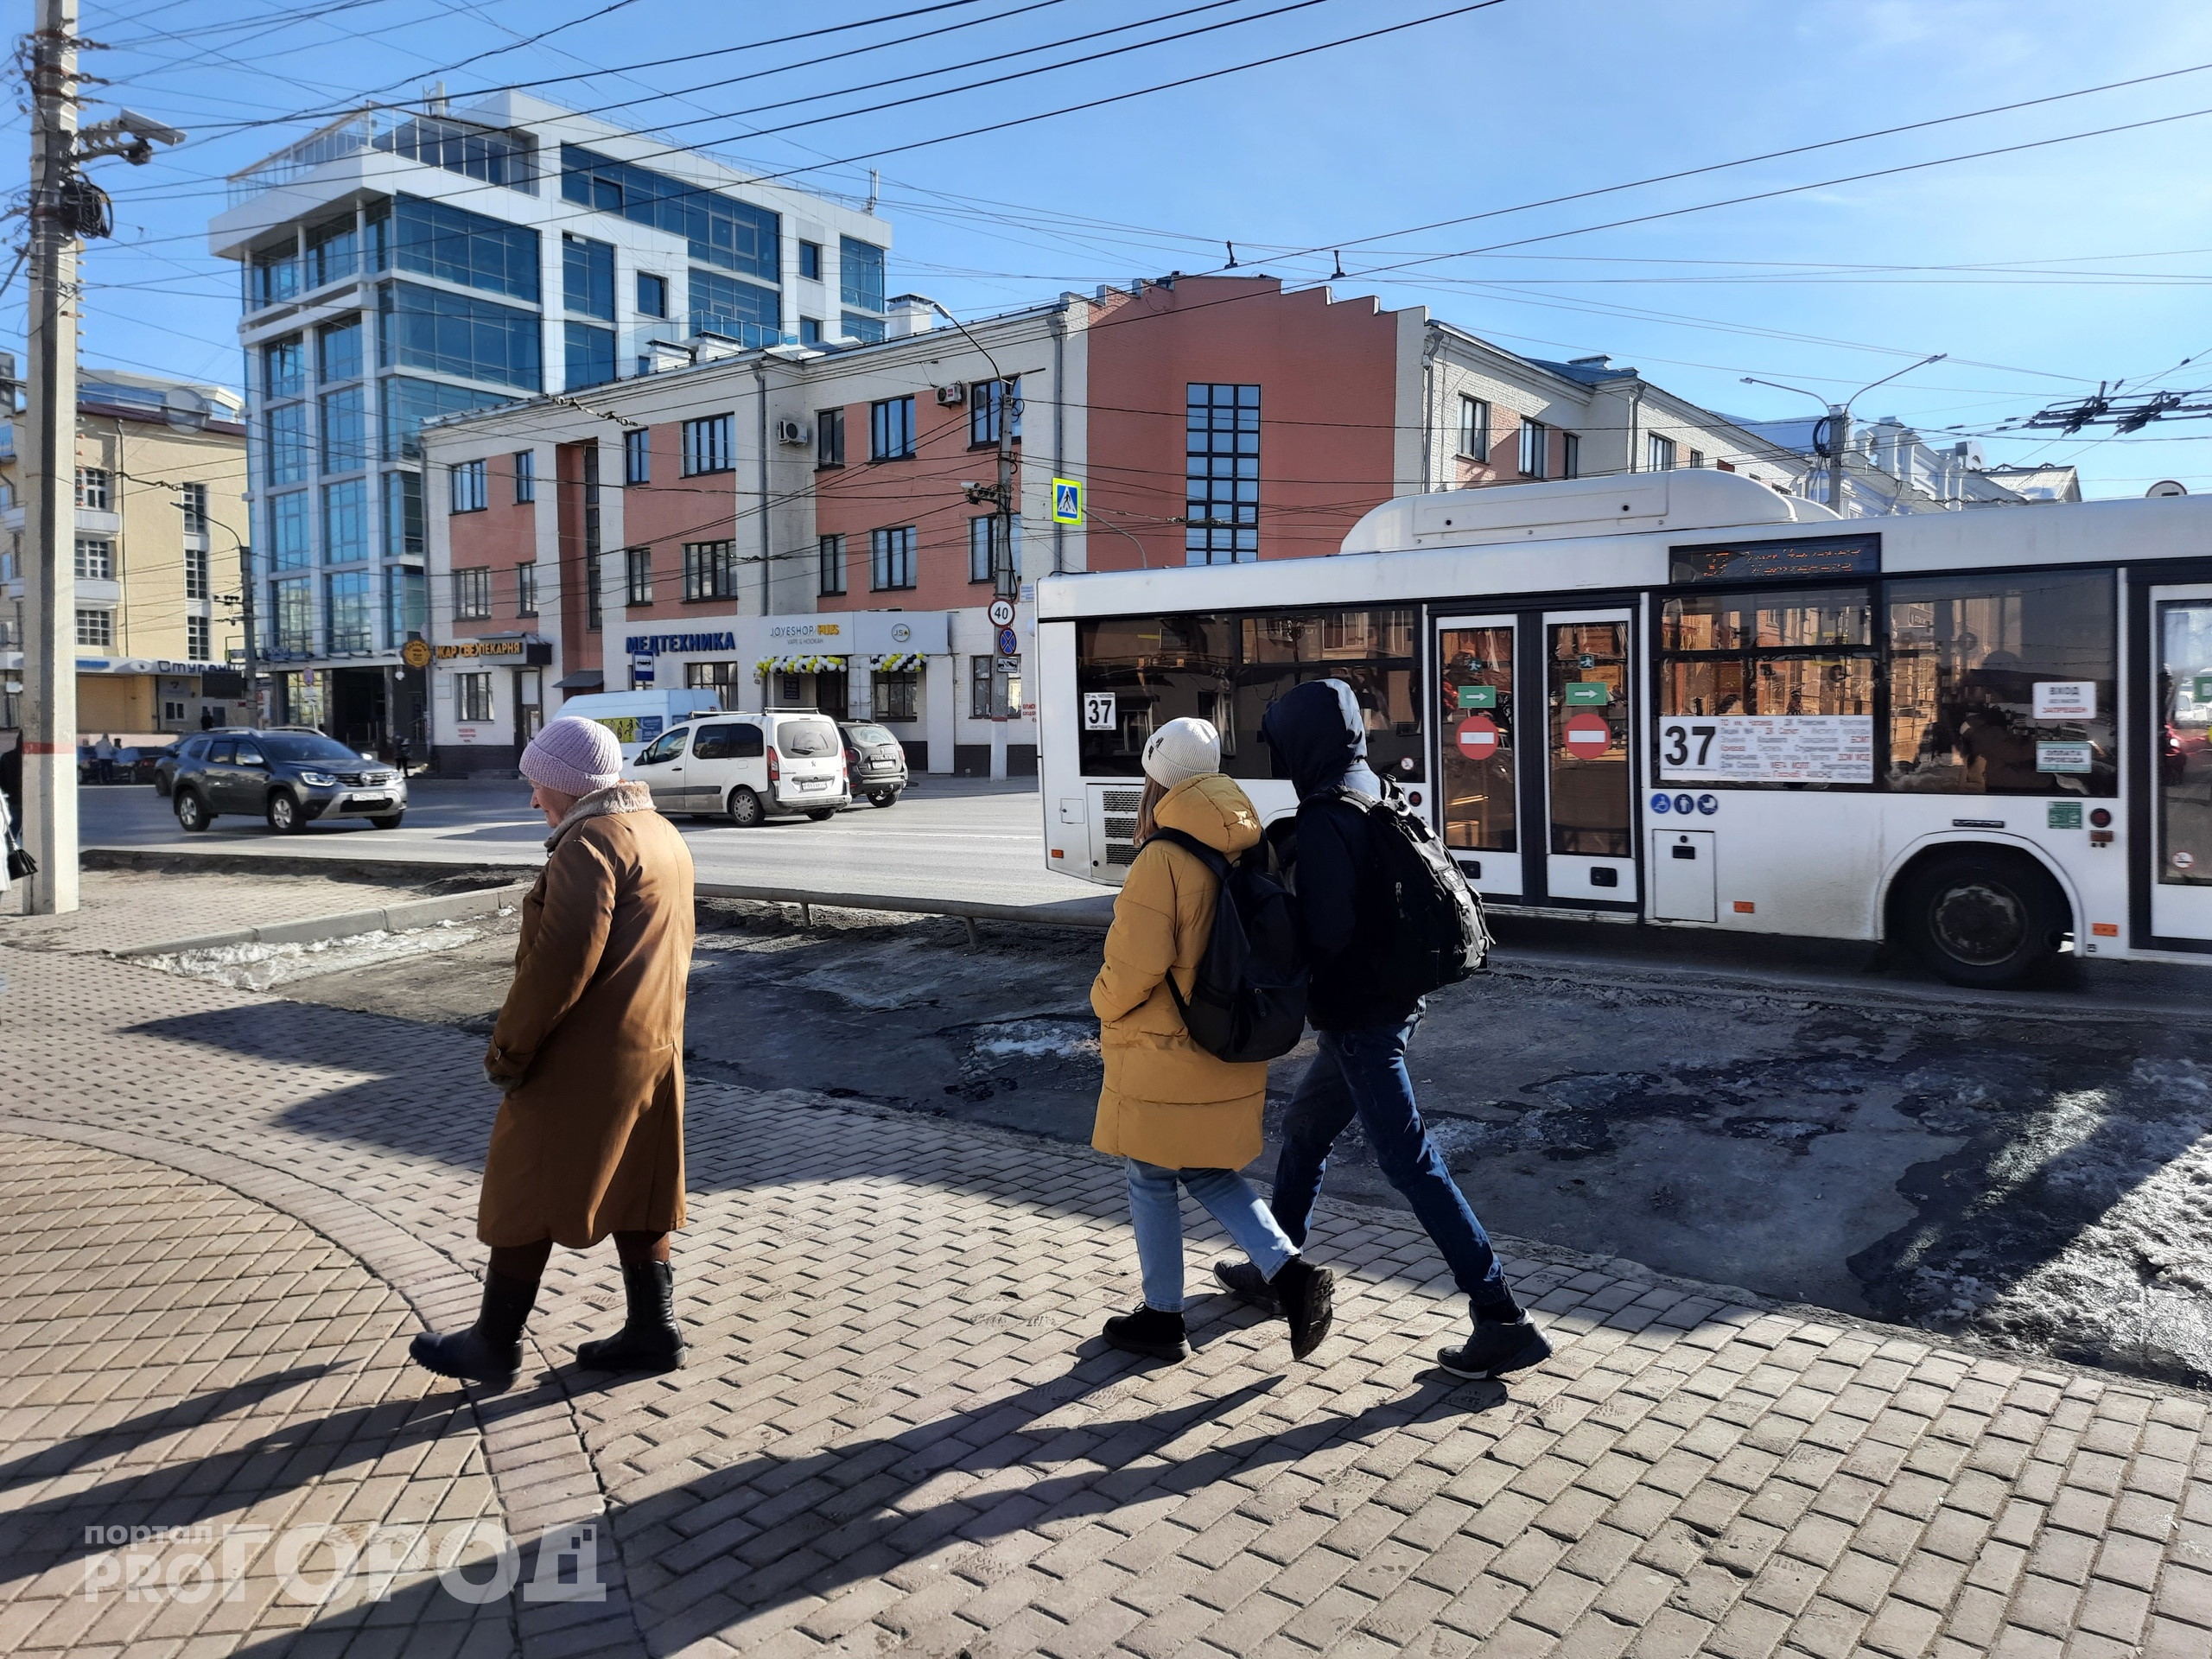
[(576, 756), (1182, 748)]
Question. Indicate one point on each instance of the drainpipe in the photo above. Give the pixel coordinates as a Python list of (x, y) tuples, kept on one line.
[(1428, 411), (767, 547), (1635, 403)]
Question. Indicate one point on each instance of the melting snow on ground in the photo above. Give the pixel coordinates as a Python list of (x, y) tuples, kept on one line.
[(1060, 1039), (252, 967)]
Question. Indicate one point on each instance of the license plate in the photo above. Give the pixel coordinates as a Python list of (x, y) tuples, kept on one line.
[(814, 783), (369, 800)]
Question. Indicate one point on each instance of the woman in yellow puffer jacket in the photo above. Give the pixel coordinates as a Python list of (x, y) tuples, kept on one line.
[(1179, 1115)]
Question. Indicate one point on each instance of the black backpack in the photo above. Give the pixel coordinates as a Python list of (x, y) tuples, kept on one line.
[(1437, 934), (1248, 998)]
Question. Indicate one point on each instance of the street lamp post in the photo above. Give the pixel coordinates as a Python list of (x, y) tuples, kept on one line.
[(1838, 444)]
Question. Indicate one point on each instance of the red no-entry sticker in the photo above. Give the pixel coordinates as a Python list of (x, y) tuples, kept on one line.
[(1477, 737), (1587, 734)]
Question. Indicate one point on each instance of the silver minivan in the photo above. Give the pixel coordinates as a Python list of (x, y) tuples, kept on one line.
[(747, 768)]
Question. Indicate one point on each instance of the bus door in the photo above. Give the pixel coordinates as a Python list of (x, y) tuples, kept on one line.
[(1534, 795), (2181, 780)]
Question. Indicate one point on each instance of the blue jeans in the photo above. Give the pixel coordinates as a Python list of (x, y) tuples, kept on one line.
[(1362, 1073), (1158, 1220)]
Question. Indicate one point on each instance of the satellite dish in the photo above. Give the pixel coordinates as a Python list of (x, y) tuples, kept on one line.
[(2167, 486)]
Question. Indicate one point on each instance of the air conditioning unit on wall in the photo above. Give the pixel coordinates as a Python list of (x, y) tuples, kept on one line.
[(794, 432), (955, 393)]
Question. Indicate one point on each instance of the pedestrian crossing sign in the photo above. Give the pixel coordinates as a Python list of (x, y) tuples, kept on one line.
[(1067, 501)]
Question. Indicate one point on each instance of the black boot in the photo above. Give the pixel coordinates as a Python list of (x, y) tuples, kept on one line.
[(490, 1350), (1243, 1279), (1308, 1297), (1500, 1345), (650, 1340), (1145, 1330)]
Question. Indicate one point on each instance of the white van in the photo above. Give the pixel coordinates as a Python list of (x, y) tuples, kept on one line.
[(747, 768), (638, 717)]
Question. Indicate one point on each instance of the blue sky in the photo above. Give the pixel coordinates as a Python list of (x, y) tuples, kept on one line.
[(2041, 271)]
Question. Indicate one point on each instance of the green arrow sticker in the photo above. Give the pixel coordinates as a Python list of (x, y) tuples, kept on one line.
[(1478, 696), (2063, 814), (2202, 691), (1588, 694)]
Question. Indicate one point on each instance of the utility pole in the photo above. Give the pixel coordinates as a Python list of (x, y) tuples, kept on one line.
[(49, 737), (245, 616), (65, 207), (1839, 420), (1839, 448)]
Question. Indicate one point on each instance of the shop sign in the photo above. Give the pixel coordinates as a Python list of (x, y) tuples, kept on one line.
[(656, 644), (481, 648)]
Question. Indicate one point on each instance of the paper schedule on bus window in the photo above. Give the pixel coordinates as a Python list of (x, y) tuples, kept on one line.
[(1768, 748)]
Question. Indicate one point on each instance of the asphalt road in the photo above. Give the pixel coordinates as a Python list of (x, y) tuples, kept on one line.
[(947, 838)]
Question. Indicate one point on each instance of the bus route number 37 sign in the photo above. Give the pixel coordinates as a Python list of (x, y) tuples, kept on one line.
[(1098, 711)]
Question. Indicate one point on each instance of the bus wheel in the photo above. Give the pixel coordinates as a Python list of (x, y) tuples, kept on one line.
[(1984, 918)]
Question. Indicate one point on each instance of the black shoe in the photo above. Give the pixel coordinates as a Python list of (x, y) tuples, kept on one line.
[(650, 1340), (1495, 1349), (1307, 1295), (1145, 1330), (1244, 1280), (490, 1350)]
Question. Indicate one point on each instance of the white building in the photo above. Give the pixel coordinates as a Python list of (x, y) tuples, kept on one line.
[(1890, 468), (399, 265)]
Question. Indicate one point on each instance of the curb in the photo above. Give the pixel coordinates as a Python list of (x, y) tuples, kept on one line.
[(1095, 913), (387, 918)]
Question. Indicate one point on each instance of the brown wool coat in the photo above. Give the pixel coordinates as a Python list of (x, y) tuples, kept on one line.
[(1167, 1101), (592, 1141)]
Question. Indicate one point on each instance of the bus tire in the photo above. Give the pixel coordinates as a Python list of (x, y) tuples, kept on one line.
[(1985, 919)]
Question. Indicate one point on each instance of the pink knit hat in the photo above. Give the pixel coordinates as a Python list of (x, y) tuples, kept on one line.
[(573, 755)]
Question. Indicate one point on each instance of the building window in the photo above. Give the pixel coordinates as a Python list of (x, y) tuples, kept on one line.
[(727, 682), (891, 428), (402, 515), (338, 350), (809, 261), (982, 537), (1697, 457), (472, 697), (351, 608), (344, 430), (710, 445), (420, 328), (594, 616), (1474, 427), (96, 628), (587, 355), (652, 295), (407, 403), (288, 530), (830, 553), (526, 590), (291, 615), (196, 572), (637, 457), (472, 593), (896, 694), (719, 229), (638, 569), (587, 277), (192, 499), (333, 250), (1662, 453), (860, 274), (867, 330), (276, 274), (288, 448), (891, 558), (1570, 455), (1536, 449), (95, 559), (407, 603), (458, 246), (346, 521), (526, 476), (469, 491), (1221, 448), (744, 311), (198, 645), (92, 489), (988, 402), (830, 437), (982, 679), (810, 331), (283, 368), (709, 570)]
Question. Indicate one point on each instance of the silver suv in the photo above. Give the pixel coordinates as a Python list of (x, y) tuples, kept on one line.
[(287, 776)]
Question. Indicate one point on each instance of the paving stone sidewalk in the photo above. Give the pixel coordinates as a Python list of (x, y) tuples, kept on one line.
[(899, 1435)]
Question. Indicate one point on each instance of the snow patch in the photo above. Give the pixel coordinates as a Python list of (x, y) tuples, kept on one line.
[(257, 967), (1058, 1039)]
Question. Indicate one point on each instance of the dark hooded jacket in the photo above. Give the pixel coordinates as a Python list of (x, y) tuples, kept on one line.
[(1317, 739)]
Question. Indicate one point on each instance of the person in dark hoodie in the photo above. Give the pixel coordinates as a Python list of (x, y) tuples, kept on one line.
[(1319, 740)]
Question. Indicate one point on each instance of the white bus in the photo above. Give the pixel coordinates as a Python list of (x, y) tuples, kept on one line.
[(1684, 700)]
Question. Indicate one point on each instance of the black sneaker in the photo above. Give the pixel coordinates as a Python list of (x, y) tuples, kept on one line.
[(1308, 1297), (1495, 1349), (1145, 1330), (1244, 1280)]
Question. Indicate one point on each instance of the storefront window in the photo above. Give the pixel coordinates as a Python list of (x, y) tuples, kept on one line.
[(897, 694), (724, 679)]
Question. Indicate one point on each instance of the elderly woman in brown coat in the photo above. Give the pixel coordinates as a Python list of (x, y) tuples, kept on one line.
[(588, 1054)]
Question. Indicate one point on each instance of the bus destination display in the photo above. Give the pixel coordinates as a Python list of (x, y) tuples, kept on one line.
[(1767, 749), (1805, 555)]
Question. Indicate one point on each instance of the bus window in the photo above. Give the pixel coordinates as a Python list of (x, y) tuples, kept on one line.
[(1136, 674), (1768, 688), (1475, 716), (2185, 744), (2003, 685), (1587, 674), (1370, 651)]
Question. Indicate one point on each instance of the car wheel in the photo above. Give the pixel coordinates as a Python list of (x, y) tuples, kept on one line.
[(1985, 920), (284, 815), (161, 785), (823, 814), (745, 809), (389, 821), (882, 797), (192, 813)]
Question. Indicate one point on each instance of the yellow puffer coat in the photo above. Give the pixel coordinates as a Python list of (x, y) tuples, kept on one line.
[(1167, 1101)]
